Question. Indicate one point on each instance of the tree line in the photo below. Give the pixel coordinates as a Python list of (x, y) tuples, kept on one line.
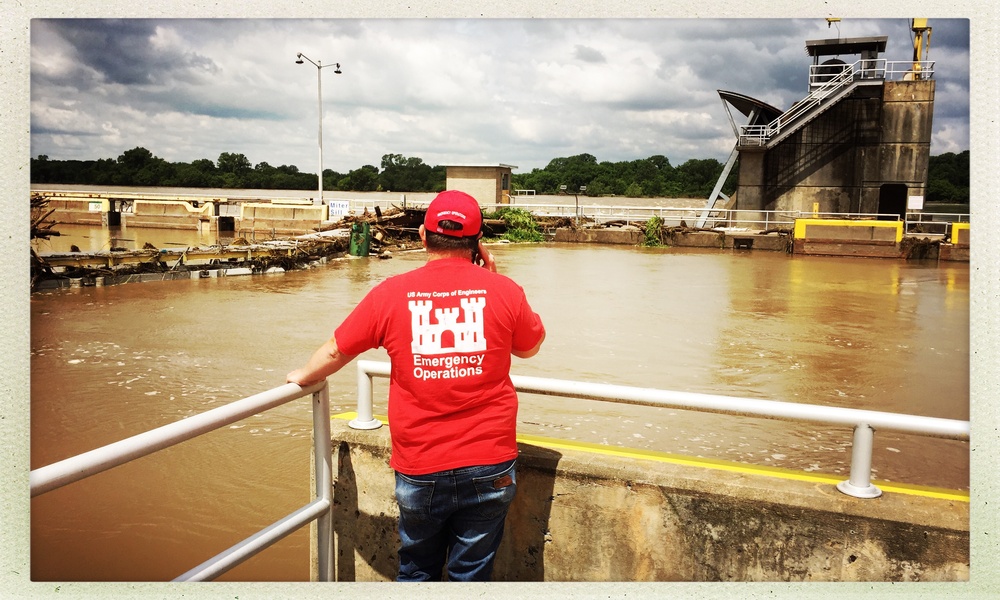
[(653, 176), (948, 175), (948, 178), (139, 167)]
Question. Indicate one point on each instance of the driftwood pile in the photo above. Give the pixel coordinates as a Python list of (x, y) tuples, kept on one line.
[(398, 228)]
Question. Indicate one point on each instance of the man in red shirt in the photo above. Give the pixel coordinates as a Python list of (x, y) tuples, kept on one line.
[(450, 328)]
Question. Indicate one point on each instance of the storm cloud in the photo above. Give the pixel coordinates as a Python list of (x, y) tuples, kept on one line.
[(516, 91)]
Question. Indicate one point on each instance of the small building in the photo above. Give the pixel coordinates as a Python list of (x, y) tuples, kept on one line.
[(488, 184)]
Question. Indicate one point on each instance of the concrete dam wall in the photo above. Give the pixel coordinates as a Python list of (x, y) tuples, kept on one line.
[(588, 513)]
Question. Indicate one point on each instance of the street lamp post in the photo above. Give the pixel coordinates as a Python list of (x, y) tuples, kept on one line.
[(319, 87)]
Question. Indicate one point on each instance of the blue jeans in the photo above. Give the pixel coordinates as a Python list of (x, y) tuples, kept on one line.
[(455, 516)]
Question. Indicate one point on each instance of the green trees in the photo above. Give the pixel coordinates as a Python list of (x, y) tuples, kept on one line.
[(653, 176), (404, 174), (948, 178), (236, 165), (195, 174), (364, 179), (948, 175), (138, 166)]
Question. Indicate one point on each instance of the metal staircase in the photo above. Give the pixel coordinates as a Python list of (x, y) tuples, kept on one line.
[(828, 85)]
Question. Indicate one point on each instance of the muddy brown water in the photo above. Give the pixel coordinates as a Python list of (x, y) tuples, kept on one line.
[(111, 362)]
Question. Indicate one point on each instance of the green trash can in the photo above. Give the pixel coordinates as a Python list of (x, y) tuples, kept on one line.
[(361, 239)]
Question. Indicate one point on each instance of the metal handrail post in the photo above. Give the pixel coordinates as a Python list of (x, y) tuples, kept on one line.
[(859, 485), (323, 453), (366, 418), (320, 509)]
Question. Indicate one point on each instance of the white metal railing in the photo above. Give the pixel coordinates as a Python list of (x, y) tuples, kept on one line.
[(56, 475), (731, 218), (864, 422), (827, 80), (717, 218), (358, 205), (597, 213), (850, 216), (821, 75), (908, 69), (937, 224), (822, 84)]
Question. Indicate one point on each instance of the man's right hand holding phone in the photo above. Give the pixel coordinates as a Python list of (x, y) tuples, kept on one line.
[(486, 259)]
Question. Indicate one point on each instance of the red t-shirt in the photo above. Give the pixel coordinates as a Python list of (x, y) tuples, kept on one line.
[(449, 328)]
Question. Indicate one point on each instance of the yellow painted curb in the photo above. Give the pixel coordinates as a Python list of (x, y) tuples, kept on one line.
[(799, 231)]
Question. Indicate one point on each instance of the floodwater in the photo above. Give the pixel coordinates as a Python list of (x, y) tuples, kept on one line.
[(111, 362)]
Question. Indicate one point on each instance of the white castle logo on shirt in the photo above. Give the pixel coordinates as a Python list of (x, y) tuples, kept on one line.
[(466, 336)]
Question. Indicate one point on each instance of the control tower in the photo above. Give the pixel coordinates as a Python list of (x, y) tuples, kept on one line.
[(857, 142)]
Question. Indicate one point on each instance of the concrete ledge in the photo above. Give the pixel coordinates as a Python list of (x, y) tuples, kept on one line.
[(954, 252), (582, 515), (630, 236), (278, 226), (183, 222), (282, 218), (757, 241), (690, 239), (860, 234), (197, 272), (700, 239), (858, 248), (52, 284), (79, 218)]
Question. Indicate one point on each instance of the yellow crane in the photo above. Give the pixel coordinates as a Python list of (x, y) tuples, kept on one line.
[(921, 48)]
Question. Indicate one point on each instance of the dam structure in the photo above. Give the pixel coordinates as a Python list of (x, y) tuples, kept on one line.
[(857, 143)]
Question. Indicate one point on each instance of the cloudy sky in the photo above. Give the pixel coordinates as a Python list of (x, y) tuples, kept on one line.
[(450, 91)]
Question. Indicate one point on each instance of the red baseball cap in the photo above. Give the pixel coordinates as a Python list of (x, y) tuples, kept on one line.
[(453, 205)]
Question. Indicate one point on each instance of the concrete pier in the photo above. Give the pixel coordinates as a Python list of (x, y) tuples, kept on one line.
[(278, 216), (585, 512), (810, 237), (633, 236)]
